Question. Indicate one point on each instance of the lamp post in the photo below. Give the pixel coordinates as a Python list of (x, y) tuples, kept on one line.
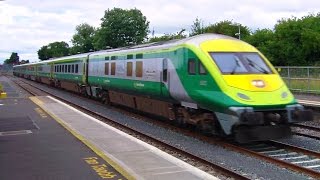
[(238, 33)]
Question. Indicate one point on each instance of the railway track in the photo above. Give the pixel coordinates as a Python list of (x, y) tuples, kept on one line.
[(307, 131), (314, 128), (35, 91), (288, 156), (284, 155)]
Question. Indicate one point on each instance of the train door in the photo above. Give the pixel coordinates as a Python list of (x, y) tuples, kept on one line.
[(165, 78), (51, 70)]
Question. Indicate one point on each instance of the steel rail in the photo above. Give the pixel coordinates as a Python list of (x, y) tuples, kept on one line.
[(307, 135), (314, 128), (279, 162)]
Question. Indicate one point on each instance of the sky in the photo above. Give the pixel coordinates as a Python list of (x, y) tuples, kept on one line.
[(27, 25)]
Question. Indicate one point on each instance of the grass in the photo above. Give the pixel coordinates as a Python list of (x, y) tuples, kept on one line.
[(304, 85)]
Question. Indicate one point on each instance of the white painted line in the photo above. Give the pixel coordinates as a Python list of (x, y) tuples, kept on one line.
[(155, 150), (274, 151), (308, 161), (296, 157), (12, 133), (1, 104), (284, 154), (314, 166), (262, 148)]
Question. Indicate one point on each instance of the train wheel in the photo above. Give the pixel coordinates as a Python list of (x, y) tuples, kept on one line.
[(204, 127), (105, 98), (181, 122)]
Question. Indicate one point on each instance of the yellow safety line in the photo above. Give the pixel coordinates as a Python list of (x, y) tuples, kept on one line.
[(3, 95), (83, 140)]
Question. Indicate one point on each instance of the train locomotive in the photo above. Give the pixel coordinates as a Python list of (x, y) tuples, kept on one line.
[(217, 83)]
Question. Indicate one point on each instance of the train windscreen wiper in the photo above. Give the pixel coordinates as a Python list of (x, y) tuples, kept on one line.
[(236, 66), (257, 66)]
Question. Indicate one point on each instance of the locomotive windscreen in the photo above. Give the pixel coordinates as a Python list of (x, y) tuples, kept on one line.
[(240, 63)]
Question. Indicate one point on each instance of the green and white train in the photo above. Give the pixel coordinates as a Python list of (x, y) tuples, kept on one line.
[(217, 83)]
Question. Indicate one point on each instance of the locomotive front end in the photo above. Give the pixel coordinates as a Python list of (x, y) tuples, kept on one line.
[(260, 107)]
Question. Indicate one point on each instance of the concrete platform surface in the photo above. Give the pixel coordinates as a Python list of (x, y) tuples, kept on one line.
[(34, 146), (139, 159)]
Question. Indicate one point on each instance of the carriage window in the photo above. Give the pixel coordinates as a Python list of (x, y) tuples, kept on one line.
[(113, 57), (202, 70), (77, 68), (106, 58), (106, 68), (62, 68), (69, 68), (65, 68), (129, 56), (139, 68), (113, 68), (129, 68), (72, 68), (55, 68), (139, 56), (192, 66)]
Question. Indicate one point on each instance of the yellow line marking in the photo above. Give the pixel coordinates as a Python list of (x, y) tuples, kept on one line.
[(3, 95), (101, 169), (85, 141), (36, 100)]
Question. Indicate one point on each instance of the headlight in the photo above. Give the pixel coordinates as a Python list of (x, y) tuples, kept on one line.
[(243, 96), (284, 95)]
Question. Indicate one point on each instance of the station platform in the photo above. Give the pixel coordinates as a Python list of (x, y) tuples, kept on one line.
[(43, 138), (128, 155), (308, 99)]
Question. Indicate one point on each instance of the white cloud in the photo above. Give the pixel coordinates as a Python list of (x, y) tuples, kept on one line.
[(25, 26)]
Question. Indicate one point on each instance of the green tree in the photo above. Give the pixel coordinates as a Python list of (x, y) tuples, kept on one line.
[(43, 53), (264, 40), (121, 27), (228, 28), (14, 59), (53, 50), (167, 37), (298, 40), (197, 27), (82, 40), (24, 61)]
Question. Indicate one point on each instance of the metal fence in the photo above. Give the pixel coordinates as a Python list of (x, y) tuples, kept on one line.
[(301, 79)]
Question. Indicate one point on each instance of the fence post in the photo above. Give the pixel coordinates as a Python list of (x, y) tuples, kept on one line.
[(309, 90), (289, 78)]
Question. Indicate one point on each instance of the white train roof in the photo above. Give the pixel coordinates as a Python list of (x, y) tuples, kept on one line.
[(195, 40)]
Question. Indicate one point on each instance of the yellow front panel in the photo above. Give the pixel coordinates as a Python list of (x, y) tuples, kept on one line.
[(227, 45), (270, 94), (272, 82)]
